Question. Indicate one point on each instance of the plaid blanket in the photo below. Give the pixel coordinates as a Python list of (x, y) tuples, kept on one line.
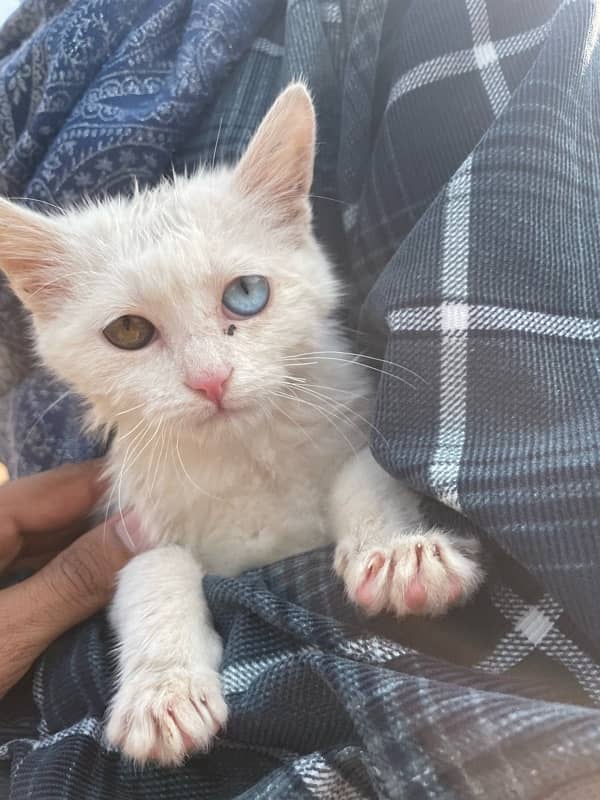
[(457, 184)]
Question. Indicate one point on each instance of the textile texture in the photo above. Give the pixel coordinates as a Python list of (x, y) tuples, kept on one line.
[(458, 188)]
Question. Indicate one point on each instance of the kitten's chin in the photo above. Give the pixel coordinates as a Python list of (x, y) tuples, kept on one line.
[(222, 419)]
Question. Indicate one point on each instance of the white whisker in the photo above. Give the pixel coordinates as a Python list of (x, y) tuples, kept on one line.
[(337, 412), (36, 200), (122, 473), (359, 364), (58, 279), (41, 417), (331, 199), (355, 358), (321, 411), (291, 419), (189, 477), (214, 156), (135, 427), (154, 453), (303, 382), (158, 460), (308, 389), (132, 444), (129, 410)]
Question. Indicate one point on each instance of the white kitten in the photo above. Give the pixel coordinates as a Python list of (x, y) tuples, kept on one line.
[(196, 320)]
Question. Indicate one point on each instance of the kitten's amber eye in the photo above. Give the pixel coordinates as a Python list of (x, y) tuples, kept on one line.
[(130, 332)]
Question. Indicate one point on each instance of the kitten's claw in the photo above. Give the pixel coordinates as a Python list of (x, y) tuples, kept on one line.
[(163, 717), (413, 573)]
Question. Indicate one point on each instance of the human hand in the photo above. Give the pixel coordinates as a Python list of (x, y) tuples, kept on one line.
[(39, 517)]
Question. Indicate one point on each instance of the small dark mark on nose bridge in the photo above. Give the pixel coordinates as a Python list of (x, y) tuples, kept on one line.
[(231, 330)]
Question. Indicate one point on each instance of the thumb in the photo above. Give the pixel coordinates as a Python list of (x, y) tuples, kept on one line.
[(77, 582), (71, 587)]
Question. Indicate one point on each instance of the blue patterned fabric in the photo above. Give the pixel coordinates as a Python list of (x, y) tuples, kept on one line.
[(457, 185)]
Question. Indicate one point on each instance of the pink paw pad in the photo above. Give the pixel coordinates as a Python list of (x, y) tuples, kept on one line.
[(415, 595), (422, 575)]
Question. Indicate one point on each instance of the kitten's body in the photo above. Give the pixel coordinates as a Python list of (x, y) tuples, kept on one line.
[(270, 463), (241, 504)]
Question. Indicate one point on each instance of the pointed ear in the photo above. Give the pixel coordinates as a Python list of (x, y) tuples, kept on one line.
[(32, 256), (277, 167)]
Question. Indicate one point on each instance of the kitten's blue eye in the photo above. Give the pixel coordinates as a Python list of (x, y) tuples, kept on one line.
[(246, 295)]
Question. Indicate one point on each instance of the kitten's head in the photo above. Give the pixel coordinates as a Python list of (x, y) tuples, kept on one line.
[(187, 297)]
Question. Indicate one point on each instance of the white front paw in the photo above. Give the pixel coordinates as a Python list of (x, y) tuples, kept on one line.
[(163, 715), (424, 572)]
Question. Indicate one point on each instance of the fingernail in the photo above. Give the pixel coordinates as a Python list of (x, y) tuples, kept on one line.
[(128, 528)]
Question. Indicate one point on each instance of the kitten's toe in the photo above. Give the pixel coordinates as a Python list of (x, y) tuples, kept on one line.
[(366, 575), (165, 716), (420, 573)]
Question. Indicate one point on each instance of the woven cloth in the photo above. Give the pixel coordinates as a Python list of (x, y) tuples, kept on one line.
[(458, 188)]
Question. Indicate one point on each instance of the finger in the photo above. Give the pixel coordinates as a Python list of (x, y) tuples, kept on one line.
[(45, 502), (32, 551), (10, 547), (37, 550), (32, 563), (71, 587), (48, 501), (36, 544)]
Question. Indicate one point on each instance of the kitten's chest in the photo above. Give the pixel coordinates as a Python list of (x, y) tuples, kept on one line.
[(262, 523), (240, 515)]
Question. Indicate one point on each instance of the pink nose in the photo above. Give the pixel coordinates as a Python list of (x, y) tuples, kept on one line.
[(213, 386)]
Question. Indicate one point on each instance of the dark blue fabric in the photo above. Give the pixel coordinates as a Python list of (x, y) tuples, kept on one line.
[(456, 184), (116, 87), (498, 290)]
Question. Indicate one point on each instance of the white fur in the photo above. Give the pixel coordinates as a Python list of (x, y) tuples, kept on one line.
[(283, 471), (379, 527), (169, 699)]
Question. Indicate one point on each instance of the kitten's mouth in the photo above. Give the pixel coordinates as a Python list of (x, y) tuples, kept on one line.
[(218, 414)]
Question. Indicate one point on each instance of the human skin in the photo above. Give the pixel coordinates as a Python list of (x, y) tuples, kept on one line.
[(41, 523)]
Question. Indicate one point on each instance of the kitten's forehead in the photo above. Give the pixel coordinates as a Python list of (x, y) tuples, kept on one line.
[(173, 226), (172, 250), (170, 209)]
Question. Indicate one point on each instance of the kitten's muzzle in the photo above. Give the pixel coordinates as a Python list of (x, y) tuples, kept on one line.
[(212, 385)]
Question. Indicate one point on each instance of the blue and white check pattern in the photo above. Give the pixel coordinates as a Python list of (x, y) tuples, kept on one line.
[(456, 185)]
